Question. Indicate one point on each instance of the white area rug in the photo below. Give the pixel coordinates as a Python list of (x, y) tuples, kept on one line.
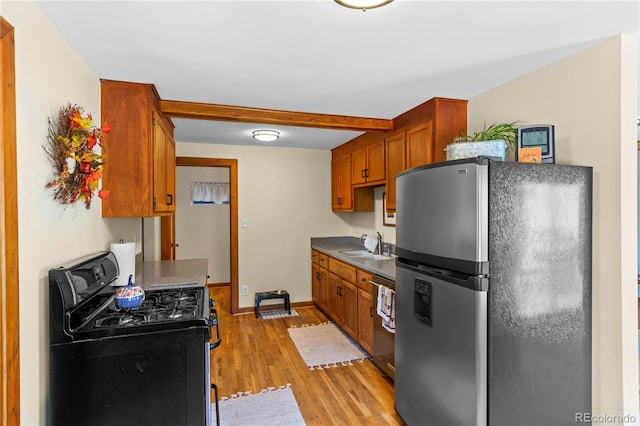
[(325, 345), (278, 314), (270, 407)]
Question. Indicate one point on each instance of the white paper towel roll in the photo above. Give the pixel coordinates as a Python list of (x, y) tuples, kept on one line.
[(126, 256)]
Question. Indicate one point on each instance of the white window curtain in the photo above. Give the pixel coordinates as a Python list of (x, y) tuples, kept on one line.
[(209, 193)]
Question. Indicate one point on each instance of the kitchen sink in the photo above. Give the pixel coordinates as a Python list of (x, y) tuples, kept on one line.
[(363, 255), (355, 252)]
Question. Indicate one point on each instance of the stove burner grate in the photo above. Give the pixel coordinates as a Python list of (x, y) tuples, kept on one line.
[(159, 306)]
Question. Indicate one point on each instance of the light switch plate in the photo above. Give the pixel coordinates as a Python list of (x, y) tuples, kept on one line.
[(245, 223)]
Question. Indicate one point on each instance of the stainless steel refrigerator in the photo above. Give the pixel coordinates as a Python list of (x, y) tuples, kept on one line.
[(493, 294)]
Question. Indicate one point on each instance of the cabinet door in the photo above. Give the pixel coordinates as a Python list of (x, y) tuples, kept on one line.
[(367, 164), (171, 172), (349, 294), (359, 166), (420, 144), (366, 318), (335, 299), (315, 283), (375, 162), (396, 161), (325, 290), (346, 201), (336, 183), (128, 174), (341, 199), (164, 167), (168, 237)]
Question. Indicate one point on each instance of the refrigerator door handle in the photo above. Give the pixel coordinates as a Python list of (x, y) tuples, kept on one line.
[(473, 282)]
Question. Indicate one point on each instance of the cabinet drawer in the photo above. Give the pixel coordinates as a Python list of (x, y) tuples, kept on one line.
[(319, 258), (344, 271), (363, 278)]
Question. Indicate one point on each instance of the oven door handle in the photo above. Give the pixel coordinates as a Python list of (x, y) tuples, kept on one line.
[(213, 322)]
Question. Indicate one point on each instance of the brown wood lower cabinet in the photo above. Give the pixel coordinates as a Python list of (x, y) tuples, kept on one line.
[(345, 294), (320, 290), (366, 310), (349, 295), (316, 287), (335, 301)]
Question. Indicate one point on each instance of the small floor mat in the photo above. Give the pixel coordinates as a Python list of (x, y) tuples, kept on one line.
[(325, 345), (277, 407), (278, 314)]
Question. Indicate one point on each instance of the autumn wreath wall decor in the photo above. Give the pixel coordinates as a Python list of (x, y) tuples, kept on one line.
[(70, 145)]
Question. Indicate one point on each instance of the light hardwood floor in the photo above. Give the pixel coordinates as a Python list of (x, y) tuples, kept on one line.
[(256, 354)]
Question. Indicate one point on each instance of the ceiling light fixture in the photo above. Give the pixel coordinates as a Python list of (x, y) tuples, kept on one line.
[(362, 4), (266, 135)]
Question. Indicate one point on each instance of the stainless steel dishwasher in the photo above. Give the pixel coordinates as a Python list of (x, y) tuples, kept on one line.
[(383, 340)]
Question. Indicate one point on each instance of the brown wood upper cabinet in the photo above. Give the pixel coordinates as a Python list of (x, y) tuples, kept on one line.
[(421, 136), (419, 140), (139, 150), (344, 197), (396, 162), (367, 164), (341, 199)]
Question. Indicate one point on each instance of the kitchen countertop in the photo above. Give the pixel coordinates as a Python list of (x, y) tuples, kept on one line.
[(159, 274), (331, 246)]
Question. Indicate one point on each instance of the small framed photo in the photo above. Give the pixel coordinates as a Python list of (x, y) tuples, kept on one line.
[(530, 155), (388, 218)]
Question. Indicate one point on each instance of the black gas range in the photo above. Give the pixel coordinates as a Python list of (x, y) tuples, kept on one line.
[(146, 366)]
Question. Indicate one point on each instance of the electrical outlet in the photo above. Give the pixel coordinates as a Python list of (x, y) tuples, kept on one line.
[(245, 290)]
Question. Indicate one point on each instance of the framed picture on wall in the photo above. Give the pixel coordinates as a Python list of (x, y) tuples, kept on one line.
[(388, 218)]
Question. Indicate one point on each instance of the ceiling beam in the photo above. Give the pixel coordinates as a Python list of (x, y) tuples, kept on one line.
[(202, 111)]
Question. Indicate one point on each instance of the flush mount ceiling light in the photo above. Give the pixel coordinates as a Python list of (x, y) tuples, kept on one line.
[(363, 4), (266, 135)]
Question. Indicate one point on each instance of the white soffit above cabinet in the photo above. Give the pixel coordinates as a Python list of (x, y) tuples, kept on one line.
[(319, 57)]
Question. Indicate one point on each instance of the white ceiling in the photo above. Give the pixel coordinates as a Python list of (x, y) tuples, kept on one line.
[(316, 56)]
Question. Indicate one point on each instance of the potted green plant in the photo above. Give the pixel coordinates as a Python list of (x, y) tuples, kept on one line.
[(493, 141)]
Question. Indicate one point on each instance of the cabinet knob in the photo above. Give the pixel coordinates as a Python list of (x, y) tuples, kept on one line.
[(170, 197)]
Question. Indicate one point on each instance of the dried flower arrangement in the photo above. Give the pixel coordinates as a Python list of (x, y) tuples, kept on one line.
[(70, 148)]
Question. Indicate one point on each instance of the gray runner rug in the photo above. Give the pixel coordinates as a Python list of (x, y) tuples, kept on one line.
[(325, 345), (270, 407)]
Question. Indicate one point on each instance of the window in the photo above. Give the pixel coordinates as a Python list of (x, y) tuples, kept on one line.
[(209, 193)]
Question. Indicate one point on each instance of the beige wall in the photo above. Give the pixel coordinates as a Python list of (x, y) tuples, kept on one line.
[(285, 195), (49, 73), (591, 98), (203, 230)]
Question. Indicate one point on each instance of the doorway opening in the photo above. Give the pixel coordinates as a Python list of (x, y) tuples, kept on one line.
[(232, 166)]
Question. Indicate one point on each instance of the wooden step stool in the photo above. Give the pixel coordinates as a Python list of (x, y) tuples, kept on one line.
[(275, 294)]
